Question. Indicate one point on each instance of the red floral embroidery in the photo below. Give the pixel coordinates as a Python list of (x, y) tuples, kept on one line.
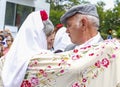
[(116, 48), (49, 66), (91, 54), (35, 62), (62, 71), (41, 71), (97, 54), (44, 15), (89, 46), (59, 64), (105, 62), (26, 83), (113, 56), (34, 81), (75, 50), (76, 57), (84, 80), (97, 64), (103, 47), (45, 74), (76, 85)]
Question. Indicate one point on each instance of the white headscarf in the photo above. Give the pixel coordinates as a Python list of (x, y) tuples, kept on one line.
[(29, 40), (62, 40)]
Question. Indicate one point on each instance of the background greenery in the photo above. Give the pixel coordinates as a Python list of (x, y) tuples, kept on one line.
[(109, 19)]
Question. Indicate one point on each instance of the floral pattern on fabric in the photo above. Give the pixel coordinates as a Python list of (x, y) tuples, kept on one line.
[(45, 69)]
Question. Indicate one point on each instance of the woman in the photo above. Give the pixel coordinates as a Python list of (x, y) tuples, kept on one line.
[(50, 41), (9, 41), (30, 39), (58, 39)]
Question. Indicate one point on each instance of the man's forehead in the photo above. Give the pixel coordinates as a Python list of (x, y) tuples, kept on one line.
[(73, 18)]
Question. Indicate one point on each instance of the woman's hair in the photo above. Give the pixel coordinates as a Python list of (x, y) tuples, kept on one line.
[(2, 37), (48, 27)]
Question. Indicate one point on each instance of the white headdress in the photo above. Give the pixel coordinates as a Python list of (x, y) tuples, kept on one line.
[(29, 40), (62, 40)]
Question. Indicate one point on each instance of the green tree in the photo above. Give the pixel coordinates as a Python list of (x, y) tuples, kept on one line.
[(116, 18), (57, 10), (55, 13)]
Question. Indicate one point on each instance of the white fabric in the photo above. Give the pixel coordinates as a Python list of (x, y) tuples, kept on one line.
[(29, 40), (62, 40)]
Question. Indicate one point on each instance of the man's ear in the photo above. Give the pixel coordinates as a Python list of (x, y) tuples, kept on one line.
[(84, 21)]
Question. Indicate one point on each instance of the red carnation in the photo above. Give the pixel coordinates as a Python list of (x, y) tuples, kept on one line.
[(59, 25), (44, 15)]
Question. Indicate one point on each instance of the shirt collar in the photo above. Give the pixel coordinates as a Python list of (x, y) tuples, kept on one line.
[(93, 40)]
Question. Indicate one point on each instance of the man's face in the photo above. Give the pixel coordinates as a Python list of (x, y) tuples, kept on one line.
[(74, 29)]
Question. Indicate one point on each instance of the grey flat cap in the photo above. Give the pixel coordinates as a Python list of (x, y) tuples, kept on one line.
[(86, 9)]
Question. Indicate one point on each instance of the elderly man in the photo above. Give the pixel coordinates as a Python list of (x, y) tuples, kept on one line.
[(82, 24)]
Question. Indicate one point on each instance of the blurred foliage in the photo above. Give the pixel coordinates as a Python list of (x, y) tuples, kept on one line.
[(109, 19), (55, 13)]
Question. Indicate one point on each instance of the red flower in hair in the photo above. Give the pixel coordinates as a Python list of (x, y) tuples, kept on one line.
[(59, 25), (44, 15)]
